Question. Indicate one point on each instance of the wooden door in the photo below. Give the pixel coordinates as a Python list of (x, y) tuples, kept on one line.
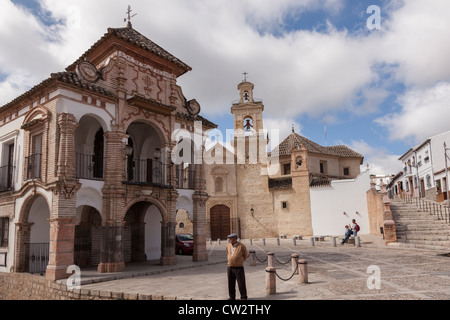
[(220, 222)]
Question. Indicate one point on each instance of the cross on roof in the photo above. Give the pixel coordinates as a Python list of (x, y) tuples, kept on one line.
[(129, 16), (245, 76)]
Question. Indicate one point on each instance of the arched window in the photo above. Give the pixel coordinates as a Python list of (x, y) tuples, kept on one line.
[(218, 185)]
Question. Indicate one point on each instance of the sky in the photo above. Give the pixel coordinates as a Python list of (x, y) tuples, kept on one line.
[(375, 80)]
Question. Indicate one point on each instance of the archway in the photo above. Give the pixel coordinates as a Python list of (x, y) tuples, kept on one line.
[(89, 148), (37, 246), (142, 233), (88, 232), (220, 222)]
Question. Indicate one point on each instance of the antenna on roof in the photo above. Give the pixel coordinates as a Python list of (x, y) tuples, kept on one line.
[(129, 16)]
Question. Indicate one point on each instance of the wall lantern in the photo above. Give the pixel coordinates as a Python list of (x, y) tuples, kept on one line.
[(157, 153), (252, 211), (128, 150)]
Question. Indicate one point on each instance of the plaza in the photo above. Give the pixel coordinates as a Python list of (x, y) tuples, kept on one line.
[(334, 273)]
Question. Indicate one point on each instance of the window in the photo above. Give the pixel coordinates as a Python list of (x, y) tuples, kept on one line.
[(284, 204), (428, 180), (34, 161), (287, 168), (219, 185), (4, 232), (7, 168), (346, 171), (323, 167)]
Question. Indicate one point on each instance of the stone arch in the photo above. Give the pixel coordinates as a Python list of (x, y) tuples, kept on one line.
[(142, 232), (87, 240), (33, 225), (39, 113)]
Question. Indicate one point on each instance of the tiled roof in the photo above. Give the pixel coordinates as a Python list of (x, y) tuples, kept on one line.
[(72, 78), (131, 35), (295, 141), (66, 77), (205, 122)]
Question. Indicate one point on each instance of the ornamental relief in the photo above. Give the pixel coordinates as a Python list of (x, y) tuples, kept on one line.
[(228, 203)]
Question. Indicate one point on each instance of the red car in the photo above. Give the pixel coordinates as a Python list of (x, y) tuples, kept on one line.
[(184, 244)]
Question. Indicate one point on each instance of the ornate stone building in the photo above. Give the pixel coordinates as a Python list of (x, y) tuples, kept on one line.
[(258, 194), (86, 175)]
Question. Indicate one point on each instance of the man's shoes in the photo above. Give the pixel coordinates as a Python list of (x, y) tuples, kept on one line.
[(231, 299)]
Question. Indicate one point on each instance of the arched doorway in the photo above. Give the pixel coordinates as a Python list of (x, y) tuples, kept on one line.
[(142, 233), (89, 148), (220, 222), (88, 232), (37, 247)]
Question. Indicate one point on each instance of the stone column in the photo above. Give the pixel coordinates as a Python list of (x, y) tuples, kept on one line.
[(111, 256), (200, 197), (63, 209), (62, 234), (23, 232)]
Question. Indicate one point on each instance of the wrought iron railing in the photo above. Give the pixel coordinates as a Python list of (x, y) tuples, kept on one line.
[(6, 178), (38, 257), (89, 166), (34, 166), (185, 177), (441, 211), (148, 171)]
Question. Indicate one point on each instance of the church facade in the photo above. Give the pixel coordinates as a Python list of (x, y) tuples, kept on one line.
[(87, 176), (258, 194)]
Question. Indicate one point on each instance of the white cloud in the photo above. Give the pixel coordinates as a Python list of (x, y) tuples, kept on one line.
[(424, 113), (379, 160)]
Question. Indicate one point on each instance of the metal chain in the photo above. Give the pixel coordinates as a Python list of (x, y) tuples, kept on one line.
[(262, 261), (278, 276), (280, 261)]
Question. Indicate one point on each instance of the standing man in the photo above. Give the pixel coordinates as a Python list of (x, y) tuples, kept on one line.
[(355, 228), (236, 254)]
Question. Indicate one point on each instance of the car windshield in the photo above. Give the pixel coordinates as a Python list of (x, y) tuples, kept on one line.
[(185, 237)]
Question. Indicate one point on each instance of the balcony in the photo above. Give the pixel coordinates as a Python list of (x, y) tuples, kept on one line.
[(89, 166), (34, 166), (149, 172), (185, 177), (6, 178)]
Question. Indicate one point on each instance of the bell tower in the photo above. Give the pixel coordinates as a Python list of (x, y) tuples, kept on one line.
[(249, 139)]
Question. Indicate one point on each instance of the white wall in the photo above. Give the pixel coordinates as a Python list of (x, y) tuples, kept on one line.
[(328, 205), (152, 221)]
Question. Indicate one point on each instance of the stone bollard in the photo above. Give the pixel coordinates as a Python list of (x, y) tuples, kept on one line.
[(357, 242), (333, 241), (271, 287), (278, 241), (252, 258), (294, 241), (264, 241), (218, 241), (303, 271), (270, 260), (251, 241), (210, 241), (312, 241), (294, 261)]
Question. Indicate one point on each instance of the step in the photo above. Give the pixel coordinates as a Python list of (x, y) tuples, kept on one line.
[(420, 246), (427, 237), (443, 244)]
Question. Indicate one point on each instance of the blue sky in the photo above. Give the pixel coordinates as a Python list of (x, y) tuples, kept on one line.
[(382, 91)]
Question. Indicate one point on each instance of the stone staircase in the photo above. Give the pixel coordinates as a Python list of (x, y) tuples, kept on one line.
[(418, 229)]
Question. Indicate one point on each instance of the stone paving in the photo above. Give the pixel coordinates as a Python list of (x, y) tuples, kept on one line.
[(334, 273)]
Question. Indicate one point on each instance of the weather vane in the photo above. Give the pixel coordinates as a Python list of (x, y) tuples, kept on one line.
[(129, 16)]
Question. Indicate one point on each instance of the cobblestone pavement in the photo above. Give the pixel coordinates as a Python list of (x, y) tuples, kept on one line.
[(369, 272)]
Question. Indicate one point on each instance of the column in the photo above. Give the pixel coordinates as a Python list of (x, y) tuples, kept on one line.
[(200, 197)]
